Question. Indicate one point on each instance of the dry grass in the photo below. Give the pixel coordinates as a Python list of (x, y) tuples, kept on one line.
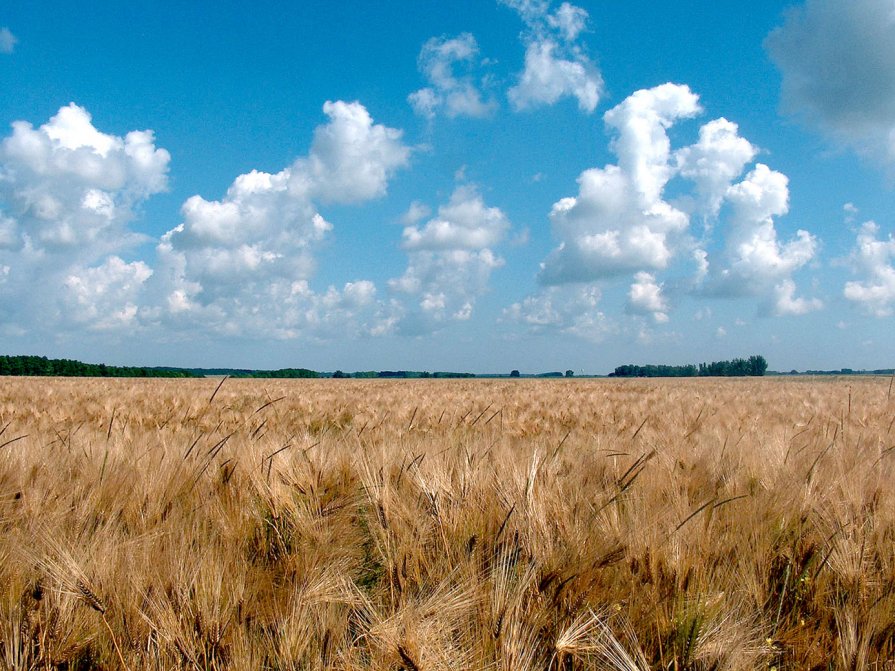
[(444, 524)]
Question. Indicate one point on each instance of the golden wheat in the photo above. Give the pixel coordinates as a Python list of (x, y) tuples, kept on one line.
[(447, 524)]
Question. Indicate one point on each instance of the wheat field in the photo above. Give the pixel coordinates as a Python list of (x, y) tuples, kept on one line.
[(473, 525)]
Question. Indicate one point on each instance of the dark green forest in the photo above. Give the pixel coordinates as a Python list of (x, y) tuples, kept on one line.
[(753, 366), (41, 365)]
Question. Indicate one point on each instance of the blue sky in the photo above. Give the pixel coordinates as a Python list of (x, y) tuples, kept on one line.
[(455, 186)]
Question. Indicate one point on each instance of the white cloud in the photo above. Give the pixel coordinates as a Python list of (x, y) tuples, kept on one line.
[(236, 266), (105, 297), (556, 66), (71, 128), (837, 59), (619, 222), (785, 301), (645, 297), (425, 102), (68, 193), (874, 258), (532, 12), (7, 41), (755, 261), (9, 234), (450, 259), (456, 95), (572, 310), (446, 283), (68, 186), (415, 213), (464, 223), (241, 265), (701, 258), (351, 158), (547, 78), (714, 162), (569, 20)]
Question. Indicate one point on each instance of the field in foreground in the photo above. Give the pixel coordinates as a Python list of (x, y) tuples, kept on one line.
[(506, 525)]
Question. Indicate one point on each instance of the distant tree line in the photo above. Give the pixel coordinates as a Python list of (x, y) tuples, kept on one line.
[(554, 373), (402, 374), (651, 370), (753, 366), (290, 373), (250, 373), (41, 365), (844, 371)]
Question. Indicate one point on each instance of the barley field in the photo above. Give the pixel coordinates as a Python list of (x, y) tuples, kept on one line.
[(506, 525)]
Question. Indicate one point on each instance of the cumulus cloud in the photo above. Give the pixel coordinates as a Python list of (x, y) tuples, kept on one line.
[(571, 310), (547, 78), (645, 297), (464, 223), (237, 266), (619, 222), (105, 297), (785, 301), (241, 264), (622, 223), (451, 259), (556, 65), (67, 186), (718, 158), (837, 59), (415, 213), (457, 95), (351, 158), (874, 258), (7, 41), (754, 259), (68, 193)]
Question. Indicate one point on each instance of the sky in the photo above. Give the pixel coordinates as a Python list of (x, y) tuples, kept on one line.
[(479, 185)]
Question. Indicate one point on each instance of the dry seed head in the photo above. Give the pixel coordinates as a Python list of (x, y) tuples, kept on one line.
[(90, 597)]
